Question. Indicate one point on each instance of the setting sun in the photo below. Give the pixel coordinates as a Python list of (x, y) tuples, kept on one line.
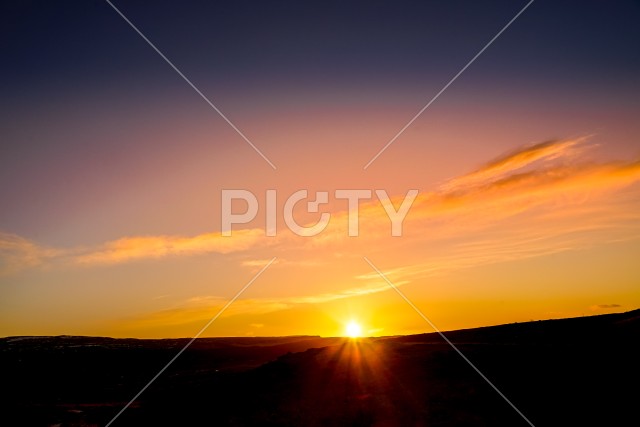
[(353, 330)]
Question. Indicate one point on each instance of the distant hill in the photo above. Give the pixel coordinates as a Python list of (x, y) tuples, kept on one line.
[(557, 372), (600, 327)]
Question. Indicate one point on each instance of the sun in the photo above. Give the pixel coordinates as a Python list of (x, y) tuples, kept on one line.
[(353, 330)]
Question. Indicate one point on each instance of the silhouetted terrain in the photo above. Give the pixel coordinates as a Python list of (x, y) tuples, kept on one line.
[(581, 371)]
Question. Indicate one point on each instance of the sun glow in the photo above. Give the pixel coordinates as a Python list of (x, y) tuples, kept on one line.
[(353, 330)]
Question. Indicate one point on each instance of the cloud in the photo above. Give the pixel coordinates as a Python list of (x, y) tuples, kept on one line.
[(549, 179), (142, 247), (539, 200), (604, 306), (258, 262), (516, 160), (536, 200), (18, 253), (509, 186), (564, 186)]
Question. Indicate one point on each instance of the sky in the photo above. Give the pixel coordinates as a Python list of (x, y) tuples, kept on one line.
[(112, 167)]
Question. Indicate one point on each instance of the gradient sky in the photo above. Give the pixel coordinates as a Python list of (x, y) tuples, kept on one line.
[(111, 166)]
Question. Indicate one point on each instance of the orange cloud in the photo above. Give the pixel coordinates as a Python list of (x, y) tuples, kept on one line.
[(546, 189), (542, 199), (605, 307), (18, 253), (141, 247), (514, 208), (516, 160)]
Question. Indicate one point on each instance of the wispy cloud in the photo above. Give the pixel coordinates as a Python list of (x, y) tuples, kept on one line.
[(545, 198), (140, 247), (259, 262), (539, 200), (605, 307), (516, 160), (18, 253)]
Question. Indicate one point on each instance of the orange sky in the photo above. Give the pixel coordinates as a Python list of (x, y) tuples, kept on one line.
[(112, 166), (539, 232)]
